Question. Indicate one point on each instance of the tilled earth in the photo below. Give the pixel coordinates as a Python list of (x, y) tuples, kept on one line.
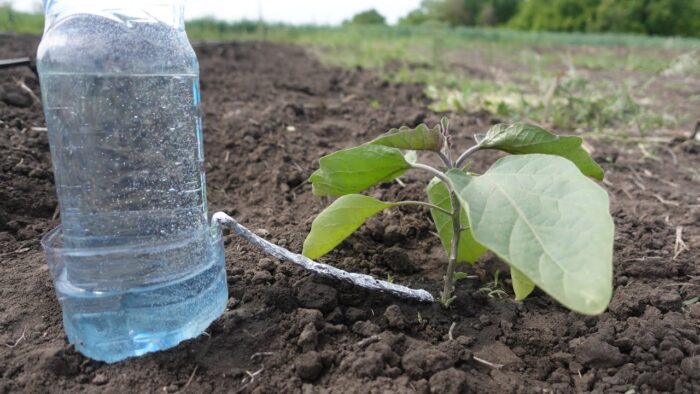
[(270, 111)]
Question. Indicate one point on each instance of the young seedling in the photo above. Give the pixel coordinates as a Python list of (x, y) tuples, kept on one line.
[(494, 289), (536, 209)]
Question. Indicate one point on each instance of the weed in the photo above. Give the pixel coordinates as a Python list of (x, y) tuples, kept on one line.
[(494, 289)]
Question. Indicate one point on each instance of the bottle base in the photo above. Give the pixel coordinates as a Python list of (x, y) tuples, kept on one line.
[(135, 330), (112, 325)]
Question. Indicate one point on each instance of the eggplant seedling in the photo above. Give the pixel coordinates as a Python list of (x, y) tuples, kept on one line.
[(536, 209)]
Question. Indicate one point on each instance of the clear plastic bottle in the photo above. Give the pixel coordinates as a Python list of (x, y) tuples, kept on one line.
[(137, 267)]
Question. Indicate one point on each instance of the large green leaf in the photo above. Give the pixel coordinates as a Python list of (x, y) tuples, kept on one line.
[(540, 215), (420, 138), (338, 221), (522, 286), (521, 138), (356, 169), (469, 250)]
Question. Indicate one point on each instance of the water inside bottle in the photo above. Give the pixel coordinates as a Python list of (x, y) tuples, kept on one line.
[(140, 268)]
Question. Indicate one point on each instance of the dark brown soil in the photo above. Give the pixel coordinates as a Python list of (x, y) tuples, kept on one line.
[(269, 112)]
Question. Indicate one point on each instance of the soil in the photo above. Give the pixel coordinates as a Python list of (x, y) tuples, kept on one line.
[(270, 111)]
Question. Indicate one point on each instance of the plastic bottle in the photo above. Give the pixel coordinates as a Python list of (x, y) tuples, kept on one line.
[(136, 265)]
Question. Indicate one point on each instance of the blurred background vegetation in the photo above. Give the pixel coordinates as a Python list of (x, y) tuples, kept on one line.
[(621, 69), (651, 17)]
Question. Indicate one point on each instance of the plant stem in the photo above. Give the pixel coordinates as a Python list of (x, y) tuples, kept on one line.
[(433, 171), (446, 160), (424, 204), (460, 161), (448, 290)]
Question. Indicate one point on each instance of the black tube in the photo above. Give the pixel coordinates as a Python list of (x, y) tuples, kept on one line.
[(19, 62)]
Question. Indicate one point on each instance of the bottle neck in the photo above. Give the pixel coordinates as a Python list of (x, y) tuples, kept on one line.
[(170, 12)]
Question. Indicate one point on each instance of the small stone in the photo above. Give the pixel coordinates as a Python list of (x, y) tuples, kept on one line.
[(369, 365), (266, 264), (661, 381), (647, 341), (422, 387), (376, 229), (455, 350), (424, 362), (392, 235), (465, 340), (309, 366), (366, 328), (308, 339), (335, 316), (562, 357), (260, 277), (694, 310), (669, 299), (398, 260), (594, 353), (4, 235), (691, 366), (672, 356), (499, 353), (393, 372), (317, 296), (307, 316), (394, 317), (262, 232), (172, 388), (355, 314), (82, 379), (17, 99), (334, 329), (625, 344), (295, 179), (100, 380), (449, 381), (585, 382), (385, 350)]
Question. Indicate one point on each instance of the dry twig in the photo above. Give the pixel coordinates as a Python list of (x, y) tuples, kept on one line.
[(368, 341), (24, 87), (680, 245), (666, 202), (20, 339), (488, 363), (194, 371)]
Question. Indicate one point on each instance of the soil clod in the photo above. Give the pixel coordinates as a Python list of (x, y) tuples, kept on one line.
[(309, 366)]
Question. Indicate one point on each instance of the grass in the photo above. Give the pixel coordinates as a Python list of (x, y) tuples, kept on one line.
[(599, 83), (20, 22), (605, 84)]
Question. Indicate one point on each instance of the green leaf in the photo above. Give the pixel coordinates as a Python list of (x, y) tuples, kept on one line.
[(521, 284), (469, 250), (356, 169), (338, 221), (540, 215), (521, 138), (420, 138)]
